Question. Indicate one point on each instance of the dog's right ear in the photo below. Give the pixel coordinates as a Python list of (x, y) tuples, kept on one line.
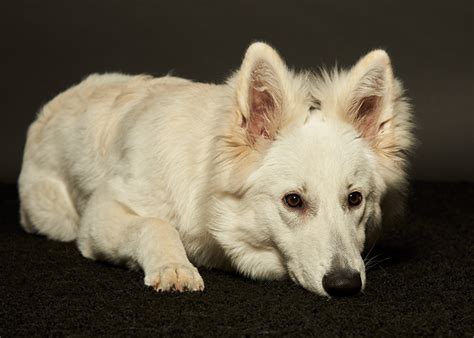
[(259, 92)]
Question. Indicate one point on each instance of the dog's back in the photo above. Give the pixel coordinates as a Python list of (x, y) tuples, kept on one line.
[(80, 138)]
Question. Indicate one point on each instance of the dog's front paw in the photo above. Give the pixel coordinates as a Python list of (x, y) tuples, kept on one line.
[(175, 277)]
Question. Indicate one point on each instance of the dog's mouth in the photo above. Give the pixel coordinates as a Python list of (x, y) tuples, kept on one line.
[(309, 281), (331, 283)]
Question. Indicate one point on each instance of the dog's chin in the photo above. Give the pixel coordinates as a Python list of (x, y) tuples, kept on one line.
[(308, 281)]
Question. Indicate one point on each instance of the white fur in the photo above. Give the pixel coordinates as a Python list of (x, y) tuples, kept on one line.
[(162, 172)]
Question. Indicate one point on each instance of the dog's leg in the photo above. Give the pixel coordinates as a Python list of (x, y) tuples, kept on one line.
[(111, 230), (47, 207)]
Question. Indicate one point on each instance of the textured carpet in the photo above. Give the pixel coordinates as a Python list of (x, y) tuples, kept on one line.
[(422, 285)]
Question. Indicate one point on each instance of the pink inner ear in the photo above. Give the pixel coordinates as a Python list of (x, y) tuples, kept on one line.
[(367, 115), (262, 113)]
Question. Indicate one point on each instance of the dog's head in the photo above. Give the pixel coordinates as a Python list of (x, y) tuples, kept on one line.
[(311, 162)]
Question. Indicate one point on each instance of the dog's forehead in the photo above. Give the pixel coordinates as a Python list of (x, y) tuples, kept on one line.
[(335, 147), (329, 141), (321, 149)]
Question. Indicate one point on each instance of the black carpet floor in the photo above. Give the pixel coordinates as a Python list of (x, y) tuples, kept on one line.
[(422, 285)]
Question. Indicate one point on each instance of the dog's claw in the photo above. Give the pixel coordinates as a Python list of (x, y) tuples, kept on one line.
[(175, 277)]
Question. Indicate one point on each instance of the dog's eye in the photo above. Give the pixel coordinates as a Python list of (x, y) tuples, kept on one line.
[(354, 198), (293, 200)]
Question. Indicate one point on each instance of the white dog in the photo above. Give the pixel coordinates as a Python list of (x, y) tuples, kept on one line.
[(273, 173)]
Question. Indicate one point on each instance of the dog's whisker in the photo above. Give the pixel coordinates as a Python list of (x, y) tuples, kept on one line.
[(367, 261), (373, 263), (370, 251)]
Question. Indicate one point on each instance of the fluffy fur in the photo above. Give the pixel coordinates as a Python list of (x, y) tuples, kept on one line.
[(162, 172)]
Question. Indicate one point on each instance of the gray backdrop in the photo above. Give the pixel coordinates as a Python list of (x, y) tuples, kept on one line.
[(47, 46)]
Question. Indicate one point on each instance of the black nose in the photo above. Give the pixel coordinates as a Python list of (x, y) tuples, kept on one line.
[(342, 282)]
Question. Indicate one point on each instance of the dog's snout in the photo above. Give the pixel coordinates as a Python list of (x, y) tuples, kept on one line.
[(342, 282)]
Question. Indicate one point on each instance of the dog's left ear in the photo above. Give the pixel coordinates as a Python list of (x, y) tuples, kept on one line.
[(259, 92), (369, 105), (377, 109)]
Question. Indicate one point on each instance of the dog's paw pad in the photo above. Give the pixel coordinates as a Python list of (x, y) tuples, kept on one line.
[(175, 277)]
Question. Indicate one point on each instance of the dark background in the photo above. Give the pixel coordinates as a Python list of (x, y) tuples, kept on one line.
[(47, 46), (420, 275)]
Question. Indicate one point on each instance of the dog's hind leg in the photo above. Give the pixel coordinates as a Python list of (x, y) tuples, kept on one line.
[(47, 207), (112, 230)]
